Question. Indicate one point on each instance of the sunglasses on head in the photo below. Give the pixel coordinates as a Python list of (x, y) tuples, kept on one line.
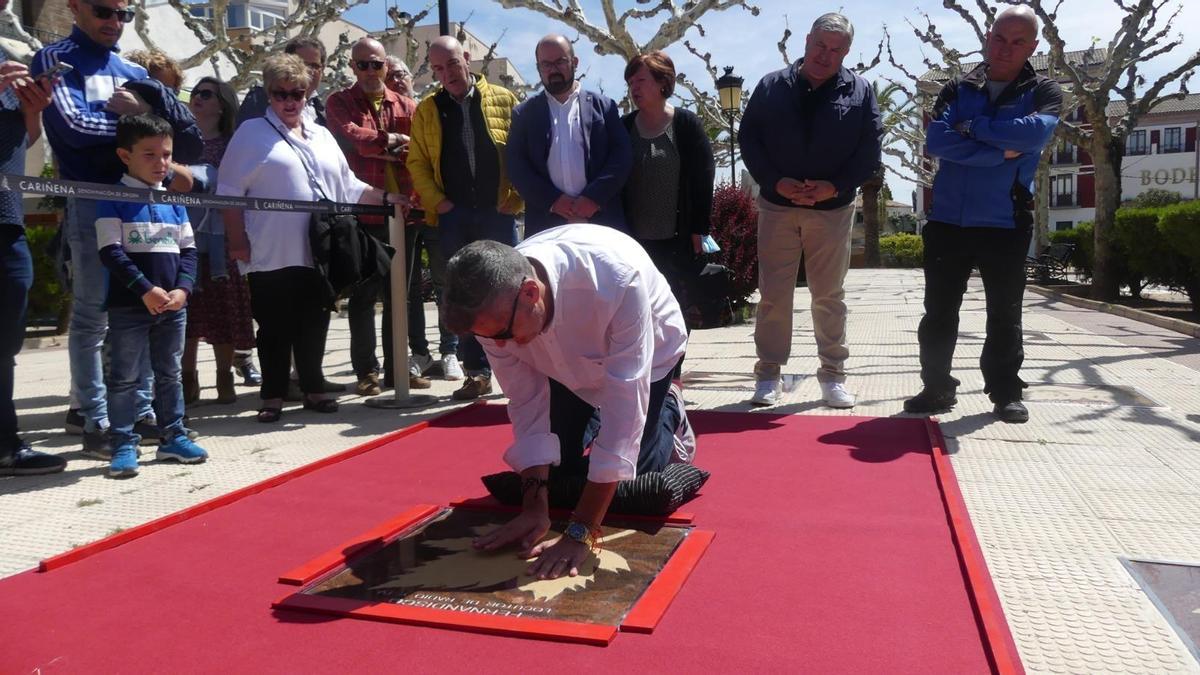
[(203, 94), (295, 94), (105, 13), (373, 65)]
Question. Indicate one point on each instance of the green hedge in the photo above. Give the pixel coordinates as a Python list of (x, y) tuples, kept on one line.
[(901, 250), (48, 300), (1158, 244), (1083, 237)]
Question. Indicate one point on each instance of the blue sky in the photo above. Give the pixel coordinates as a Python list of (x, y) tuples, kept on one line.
[(736, 38)]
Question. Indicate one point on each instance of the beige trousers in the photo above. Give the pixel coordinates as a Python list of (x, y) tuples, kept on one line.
[(824, 239)]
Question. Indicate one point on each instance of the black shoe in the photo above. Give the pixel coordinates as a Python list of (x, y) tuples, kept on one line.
[(250, 375), (74, 422), (147, 428), (98, 445), (333, 387), (1013, 412), (25, 461), (930, 401)]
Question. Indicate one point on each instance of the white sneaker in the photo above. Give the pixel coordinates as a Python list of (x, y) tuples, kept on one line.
[(767, 392), (419, 364), (685, 438), (451, 370), (836, 396)]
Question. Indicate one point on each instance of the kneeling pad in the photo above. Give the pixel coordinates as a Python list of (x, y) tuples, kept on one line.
[(657, 493)]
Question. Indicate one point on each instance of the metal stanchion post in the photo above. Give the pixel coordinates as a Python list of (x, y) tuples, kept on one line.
[(401, 399)]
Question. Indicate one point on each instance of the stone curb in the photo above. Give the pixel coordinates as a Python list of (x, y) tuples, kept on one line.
[(1177, 325)]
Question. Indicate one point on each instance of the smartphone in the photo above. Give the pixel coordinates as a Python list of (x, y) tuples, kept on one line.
[(57, 70)]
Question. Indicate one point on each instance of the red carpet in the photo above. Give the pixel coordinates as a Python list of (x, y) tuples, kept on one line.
[(834, 553)]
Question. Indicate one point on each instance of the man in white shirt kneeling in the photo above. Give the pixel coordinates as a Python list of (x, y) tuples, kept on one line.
[(583, 333)]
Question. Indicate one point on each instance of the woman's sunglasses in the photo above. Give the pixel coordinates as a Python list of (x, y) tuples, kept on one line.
[(282, 96), (105, 13), (373, 65), (203, 94)]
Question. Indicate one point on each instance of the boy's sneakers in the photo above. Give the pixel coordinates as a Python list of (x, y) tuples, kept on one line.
[(124, 462), (767, 392), (181, 449), (25, 461)]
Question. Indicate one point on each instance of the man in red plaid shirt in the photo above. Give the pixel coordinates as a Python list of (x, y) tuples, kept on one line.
[(373, 124)]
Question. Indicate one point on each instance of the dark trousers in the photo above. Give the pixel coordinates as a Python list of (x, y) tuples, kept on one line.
[(674, 258), (16, 277), (362, 326), (576, 424), (950, 253), (292, 322), (457, 228)]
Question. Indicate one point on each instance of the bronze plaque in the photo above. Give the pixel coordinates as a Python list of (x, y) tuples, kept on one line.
[(435, 567)]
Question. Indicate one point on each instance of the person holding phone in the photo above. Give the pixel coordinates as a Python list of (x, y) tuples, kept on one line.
[(81, 126), (22, 99)]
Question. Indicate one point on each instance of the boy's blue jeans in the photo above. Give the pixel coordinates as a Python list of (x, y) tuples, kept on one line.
[(137, 337), (88, 319)]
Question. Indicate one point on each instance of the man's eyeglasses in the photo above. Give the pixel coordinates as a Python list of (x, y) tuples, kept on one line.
[(557, 64), (203, 94), (373, 65), (105, 13), (282, 96), (507, 334)]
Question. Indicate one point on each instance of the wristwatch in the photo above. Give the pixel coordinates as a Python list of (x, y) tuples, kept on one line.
[(581, 533)]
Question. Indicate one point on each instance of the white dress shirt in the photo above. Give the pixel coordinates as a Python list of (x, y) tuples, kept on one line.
[(258, 163), (567, 161), (616, 328)]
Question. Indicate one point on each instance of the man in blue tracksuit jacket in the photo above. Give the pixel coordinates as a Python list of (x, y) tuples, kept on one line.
[(988, 130)]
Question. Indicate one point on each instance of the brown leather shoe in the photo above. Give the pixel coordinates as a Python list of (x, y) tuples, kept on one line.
[(474, 387), (368, 385), (417, 382)]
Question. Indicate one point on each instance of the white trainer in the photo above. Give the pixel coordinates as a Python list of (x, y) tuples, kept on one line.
[(835, 395), (767, 392), (419, 364), (451, 370)]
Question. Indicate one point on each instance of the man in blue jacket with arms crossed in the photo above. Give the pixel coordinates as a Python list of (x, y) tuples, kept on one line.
[(988, 130)]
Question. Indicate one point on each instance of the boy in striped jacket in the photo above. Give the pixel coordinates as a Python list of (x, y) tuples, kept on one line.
[(149, 253)]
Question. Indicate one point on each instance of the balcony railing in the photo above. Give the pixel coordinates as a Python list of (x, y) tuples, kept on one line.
[(1062, 201)]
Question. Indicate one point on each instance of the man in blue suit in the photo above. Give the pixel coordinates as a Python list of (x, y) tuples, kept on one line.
[(568, 153)]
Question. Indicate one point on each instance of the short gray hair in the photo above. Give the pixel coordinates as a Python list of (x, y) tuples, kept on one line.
[(834, 23), (479, 275), (395, 63)]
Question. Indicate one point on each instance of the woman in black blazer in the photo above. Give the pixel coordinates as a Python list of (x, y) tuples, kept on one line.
[(668, 196), (671, 142)]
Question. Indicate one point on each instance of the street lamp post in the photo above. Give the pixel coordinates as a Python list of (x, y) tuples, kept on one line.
[(729, 91), (443, 18)]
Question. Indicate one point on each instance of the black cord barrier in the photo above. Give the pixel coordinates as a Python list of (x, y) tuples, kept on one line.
[(123, 193)]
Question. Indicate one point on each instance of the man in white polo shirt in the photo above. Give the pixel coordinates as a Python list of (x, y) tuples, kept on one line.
[(583, 333)]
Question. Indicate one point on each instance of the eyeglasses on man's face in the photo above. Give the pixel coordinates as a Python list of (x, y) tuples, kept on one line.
[(507, 333), (105, 13), (557, 64), (282, 96), (373, 65)]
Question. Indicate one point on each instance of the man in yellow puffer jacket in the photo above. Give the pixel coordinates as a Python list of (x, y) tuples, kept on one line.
[(456, 158)]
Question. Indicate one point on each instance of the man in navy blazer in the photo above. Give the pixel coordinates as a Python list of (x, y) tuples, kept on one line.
[(568, 153)]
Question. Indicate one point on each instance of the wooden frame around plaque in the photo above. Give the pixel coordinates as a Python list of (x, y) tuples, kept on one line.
[(333, 584)]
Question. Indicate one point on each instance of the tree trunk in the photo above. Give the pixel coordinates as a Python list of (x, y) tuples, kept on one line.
[(870, 211), (1105, 277), (1041, 202)]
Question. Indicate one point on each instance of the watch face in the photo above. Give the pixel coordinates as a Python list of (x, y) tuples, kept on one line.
[(577, 531)]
